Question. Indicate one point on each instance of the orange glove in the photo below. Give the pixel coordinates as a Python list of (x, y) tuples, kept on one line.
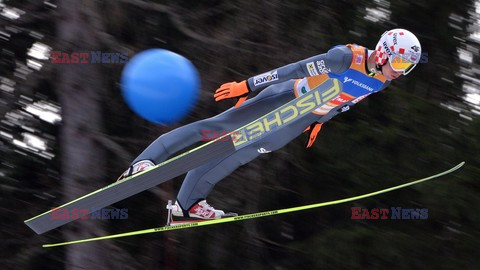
[(312, 130), (233, 90)]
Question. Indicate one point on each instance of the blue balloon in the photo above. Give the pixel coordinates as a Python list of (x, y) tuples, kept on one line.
[(160, 86)]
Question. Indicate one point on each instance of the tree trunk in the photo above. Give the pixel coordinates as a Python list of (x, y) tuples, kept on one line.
[(79, 89)]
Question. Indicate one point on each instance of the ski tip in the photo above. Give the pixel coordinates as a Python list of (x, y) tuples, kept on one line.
[(459, 165)]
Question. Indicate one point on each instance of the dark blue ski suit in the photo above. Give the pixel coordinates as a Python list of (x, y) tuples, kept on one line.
[(346, 63)]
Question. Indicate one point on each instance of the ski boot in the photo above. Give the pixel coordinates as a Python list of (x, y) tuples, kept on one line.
[(200, 210), (137, 167)]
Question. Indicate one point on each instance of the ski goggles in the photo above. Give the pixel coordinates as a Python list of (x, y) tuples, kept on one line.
[(400, 64)]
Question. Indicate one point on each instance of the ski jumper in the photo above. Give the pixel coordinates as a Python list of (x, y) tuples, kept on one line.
[(346, 63)]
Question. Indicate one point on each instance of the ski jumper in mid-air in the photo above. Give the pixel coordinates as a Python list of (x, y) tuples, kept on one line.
[(362, 72)]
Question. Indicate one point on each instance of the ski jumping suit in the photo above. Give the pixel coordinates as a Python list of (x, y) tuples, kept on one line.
[(346, 63)]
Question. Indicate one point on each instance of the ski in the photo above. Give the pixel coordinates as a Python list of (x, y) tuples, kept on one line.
[(178, 165), (192, 224)]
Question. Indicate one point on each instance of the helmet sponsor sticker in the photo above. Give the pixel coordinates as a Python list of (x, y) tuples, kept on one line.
[(395, 41), (385, 47)]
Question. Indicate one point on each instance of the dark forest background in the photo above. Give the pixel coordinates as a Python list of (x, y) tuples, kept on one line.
[(422, 124)]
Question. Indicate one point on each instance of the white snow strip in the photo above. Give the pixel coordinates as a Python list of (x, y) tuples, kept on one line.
[(34, 141), (34, 64), (45, 111), (7, 135), (39, 51), (11, 13)]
